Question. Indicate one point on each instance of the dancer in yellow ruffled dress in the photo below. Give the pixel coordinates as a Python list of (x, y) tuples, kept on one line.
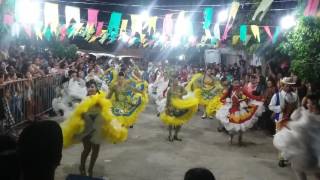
[(91, 122), (206, 89), (178, 110), (127, 101), (215, 104)]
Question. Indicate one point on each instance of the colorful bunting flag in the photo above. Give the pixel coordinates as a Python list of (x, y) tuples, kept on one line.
[(51, 15), (216, 31), (262, 9), (167, 28), (267, 29), (63, 32), (8, 19), (256, 32), (207, 15), (235, 39), (124, 25), (15, 30), (47, 33), (276, 35), (104, 36), (78, 28), (207, 34), (92, 16), (114, 25), (243, 33), (99, 28), (232, 15), (248, 39), (71, 30), (311, 8), (136, 24), (72, 13), (152, 24), (38, 30), (27, 29), (89, 31)]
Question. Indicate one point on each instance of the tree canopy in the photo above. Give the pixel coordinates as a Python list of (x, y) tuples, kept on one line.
[(302, 45)]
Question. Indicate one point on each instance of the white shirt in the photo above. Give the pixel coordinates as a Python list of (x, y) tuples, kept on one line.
[(283, 98)]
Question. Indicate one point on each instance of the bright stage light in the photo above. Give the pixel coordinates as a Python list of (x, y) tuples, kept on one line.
[(223, 16), (27, 11), (192, 39), (181, 57), (175, 42), (145, 15), (162, 39), (157, 35), (288, 22), (125, 37)]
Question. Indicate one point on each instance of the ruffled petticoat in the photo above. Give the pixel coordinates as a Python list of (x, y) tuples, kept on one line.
[(260, 106), (237, 121), (300, 142)]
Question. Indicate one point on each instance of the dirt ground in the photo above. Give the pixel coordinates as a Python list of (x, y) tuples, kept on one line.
[(147, 155)]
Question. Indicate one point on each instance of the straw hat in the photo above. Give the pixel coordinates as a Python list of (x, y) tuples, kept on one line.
[(288, 81)]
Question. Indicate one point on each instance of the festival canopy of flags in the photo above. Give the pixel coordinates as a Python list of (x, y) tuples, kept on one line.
[(178, 31)]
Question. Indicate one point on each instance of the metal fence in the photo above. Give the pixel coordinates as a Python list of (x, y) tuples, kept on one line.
[(26, 100)]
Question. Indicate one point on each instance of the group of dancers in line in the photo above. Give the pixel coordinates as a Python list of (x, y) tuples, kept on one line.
[(102, 105), (236, 107)]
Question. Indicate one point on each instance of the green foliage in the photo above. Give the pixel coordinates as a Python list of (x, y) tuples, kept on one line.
[(302, 44), (63, 49)]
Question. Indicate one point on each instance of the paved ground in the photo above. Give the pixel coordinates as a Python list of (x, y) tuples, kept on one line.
[(147, 155)]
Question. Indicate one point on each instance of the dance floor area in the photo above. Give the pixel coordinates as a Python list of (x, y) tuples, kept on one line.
[(147, 155)]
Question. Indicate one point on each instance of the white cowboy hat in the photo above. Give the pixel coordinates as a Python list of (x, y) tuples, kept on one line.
[(288, 80)]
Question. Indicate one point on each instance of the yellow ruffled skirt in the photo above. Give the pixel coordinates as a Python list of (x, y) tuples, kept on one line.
[(214, 105), (190, 104), (130, 119), (111, 129)]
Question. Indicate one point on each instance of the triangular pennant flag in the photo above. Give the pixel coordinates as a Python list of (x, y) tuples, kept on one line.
[(8, 19), (93, 16), (71, 30), (38, 30), (311, 8), (124, 25), (243, 33), (114, 25), (235, 39), (267, 29), (89, 32), (51, 16), (99, 28), (104, 36), (47, 33), (208, 34), (93, 39), (262, 9), (27, 29), (167, 27), (136, 24), (207, 15), (248, 39), (152, 24), (232, 15), (276, 34), (216, 31), (63, 32), (256, 32), (72, 14), (78, 29)]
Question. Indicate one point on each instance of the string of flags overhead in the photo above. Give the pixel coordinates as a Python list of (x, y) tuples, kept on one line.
[(143, 28)]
